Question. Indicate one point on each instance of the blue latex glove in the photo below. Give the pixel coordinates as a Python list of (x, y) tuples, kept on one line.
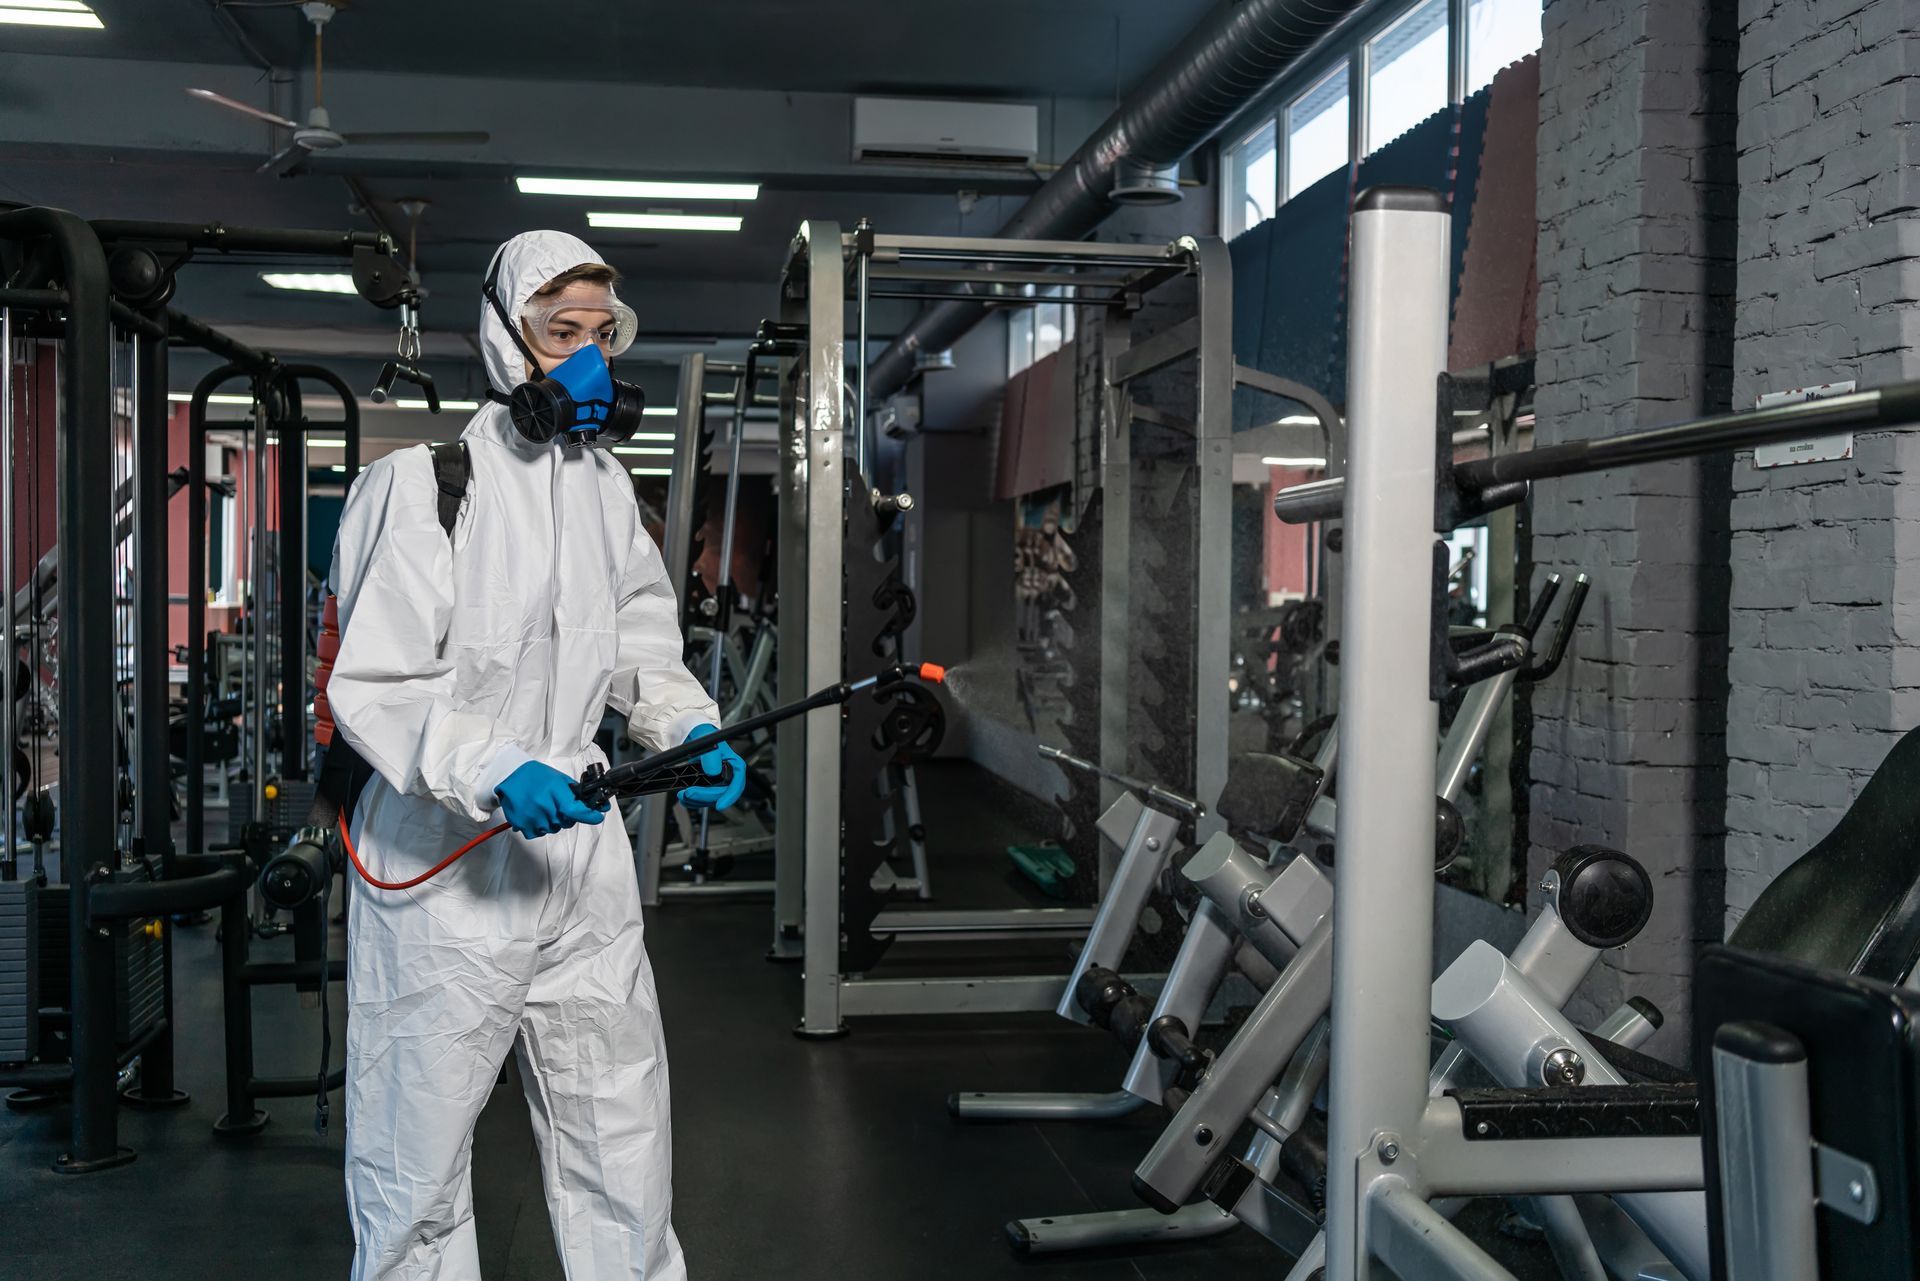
[(722, 763), (538, 800)]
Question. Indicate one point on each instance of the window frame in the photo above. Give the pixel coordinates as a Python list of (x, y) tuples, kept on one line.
[(1351, 54), (1285, 124), (1361, 122), (1233, 192)]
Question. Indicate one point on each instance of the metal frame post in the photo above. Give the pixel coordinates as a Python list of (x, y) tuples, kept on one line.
[(1384, 896), (153, 791), (723, 572), (790, 682), (83, 464), (9, 732), (256, 606), (291, 441), (1765, 1156), (678, 552), (863, 256), (1213, 549), (1457, 17), (820, 254), (1116, 557)]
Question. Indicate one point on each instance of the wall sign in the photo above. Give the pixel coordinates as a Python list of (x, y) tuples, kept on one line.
[(1814, 449)]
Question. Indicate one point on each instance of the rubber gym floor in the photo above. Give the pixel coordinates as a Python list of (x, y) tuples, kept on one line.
[(814, 1161)]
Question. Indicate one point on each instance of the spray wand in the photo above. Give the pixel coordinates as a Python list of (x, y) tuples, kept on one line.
[(671, 770)]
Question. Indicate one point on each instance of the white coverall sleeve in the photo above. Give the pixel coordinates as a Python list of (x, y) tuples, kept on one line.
[(651, 686), (391, 688)]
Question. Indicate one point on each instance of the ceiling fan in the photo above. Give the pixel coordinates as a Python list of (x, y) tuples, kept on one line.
[(318, 133)]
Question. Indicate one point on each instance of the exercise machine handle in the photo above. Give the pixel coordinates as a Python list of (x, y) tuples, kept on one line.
[(1537, 616), (1562, 633), (395, 370)]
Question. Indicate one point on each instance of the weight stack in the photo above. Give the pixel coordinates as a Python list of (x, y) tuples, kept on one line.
[(19, 971), (139, 969), (139, 958), (285, 814)]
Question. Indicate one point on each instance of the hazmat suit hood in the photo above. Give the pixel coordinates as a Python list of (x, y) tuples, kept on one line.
[(526, 262)]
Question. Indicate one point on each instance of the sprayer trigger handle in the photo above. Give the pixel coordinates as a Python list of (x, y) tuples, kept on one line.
[(587, 788)]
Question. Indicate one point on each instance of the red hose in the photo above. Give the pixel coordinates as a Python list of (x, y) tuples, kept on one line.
[(429, 874)]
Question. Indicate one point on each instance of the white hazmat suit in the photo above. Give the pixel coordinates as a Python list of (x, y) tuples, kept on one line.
[(459, 661)]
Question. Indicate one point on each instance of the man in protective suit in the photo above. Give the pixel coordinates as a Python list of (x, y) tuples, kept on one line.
[(473, 673)]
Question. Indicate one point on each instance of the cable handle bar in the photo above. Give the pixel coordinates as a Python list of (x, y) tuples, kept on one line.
[(676, 768)]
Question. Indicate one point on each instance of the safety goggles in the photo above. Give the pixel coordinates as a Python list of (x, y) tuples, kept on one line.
[(562, 326)]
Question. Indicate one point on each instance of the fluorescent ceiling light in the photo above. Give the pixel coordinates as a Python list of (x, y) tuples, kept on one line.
[(312, 282), (186, 397), (625, 190), (630, 449), (660, 411), (445, 404), (651, 435), (326, 442), (338, 467), (50, 13), (651, 471), (1300, 420), (665, 221), (1294, 462)]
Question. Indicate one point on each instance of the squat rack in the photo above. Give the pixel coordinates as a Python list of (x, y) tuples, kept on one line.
[(826, 269)]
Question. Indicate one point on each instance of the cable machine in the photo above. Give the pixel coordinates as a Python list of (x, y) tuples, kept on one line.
[(103, 932)]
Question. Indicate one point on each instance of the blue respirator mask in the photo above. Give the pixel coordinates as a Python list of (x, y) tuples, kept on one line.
[(578, 402)]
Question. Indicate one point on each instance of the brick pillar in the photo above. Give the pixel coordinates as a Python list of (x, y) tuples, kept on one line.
[(1636, 219), (1826, 556)]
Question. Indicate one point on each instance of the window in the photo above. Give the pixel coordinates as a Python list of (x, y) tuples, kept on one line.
[(1049, 327), (1019, 339), (1499, 32), (1317, 130), (1406, 68), (1034, 333), (1253, 176)]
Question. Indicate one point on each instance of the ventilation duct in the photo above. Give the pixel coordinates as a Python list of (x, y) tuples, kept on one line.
[(1140, 184), (1227, 61)]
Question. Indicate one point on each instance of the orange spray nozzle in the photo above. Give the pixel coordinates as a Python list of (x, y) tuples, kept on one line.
[(933, 672)]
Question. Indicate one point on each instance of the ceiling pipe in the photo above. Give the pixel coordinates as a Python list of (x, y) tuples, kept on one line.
[(1226, 62)]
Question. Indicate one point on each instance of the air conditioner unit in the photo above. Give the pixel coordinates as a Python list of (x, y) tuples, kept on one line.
[(920, 131)]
